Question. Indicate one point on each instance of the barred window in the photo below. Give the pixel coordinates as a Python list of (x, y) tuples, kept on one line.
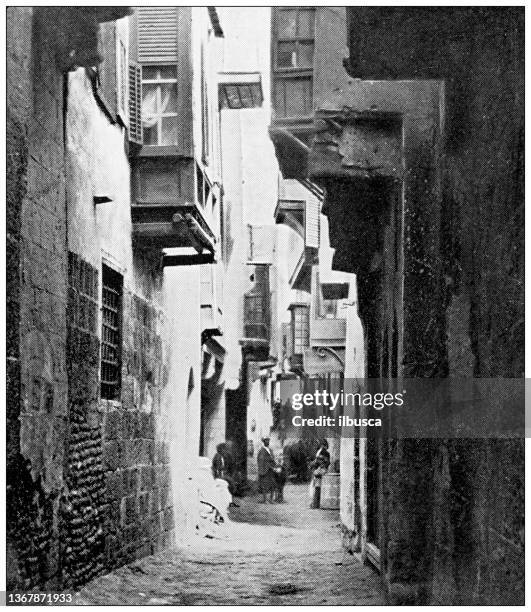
[(111, 334)]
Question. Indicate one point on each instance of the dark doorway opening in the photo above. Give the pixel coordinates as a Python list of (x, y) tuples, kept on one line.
[(236, 426)]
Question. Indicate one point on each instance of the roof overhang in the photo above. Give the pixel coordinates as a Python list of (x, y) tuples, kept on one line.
[(291, 213), (254, 343), (301, 279), (186, 257), (298, 305), (240, 90), (291, 152)]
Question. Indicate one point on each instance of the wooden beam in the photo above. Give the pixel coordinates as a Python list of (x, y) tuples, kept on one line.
[(188, 260)]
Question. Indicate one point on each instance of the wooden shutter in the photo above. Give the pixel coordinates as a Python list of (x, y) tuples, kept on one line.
[(122, 73), (107, 69), (135, 103), (157, 33), (311, 225)]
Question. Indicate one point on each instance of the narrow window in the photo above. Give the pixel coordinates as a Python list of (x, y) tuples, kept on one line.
[(111, 334), (300, 324), (327, 308), (159, 105), (295, 38), (333, 305), (294, 45)]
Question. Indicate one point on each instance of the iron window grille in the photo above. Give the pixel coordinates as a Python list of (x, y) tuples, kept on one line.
[(111, 334)]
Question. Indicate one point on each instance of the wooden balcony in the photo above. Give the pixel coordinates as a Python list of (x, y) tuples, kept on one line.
[(257, 309), (165, 210), (167, 226), (328, 332)]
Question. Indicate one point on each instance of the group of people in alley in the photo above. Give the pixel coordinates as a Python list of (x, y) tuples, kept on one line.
[(272, 474)]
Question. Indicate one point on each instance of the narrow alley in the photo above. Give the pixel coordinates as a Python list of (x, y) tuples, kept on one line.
[(269, 554), (260, 247)]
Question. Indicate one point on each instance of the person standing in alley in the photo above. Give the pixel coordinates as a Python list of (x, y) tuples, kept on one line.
[(219, 467), (280, 476), (266, 466), (319, 467), (222, 469)]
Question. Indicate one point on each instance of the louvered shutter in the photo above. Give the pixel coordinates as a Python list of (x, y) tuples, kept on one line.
[(107, 69), (122, 72), (135, 103), (311, 226), (157, 33)]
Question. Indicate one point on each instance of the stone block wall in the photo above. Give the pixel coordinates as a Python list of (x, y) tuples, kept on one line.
[(464, 311), (84, 495), (136, 461), (36, 313), (117, 506)]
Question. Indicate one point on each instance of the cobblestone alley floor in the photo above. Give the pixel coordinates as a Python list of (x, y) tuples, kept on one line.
[(269, 555)]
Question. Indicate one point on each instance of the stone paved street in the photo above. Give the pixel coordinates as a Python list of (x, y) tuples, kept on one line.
[(268, 555)]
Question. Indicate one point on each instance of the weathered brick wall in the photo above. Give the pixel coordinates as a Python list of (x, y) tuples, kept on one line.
[(37, 229), (136, 462), (117, 505), (84, 495), (470, 252)]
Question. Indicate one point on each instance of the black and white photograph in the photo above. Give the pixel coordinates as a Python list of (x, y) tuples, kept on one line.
[(265, 308)]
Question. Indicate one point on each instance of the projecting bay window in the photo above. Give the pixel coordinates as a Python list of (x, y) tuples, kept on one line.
[(111, 334), (165, 210), (300, 327), (159, 105), (330, 300), (257, 304), (293, 60)]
